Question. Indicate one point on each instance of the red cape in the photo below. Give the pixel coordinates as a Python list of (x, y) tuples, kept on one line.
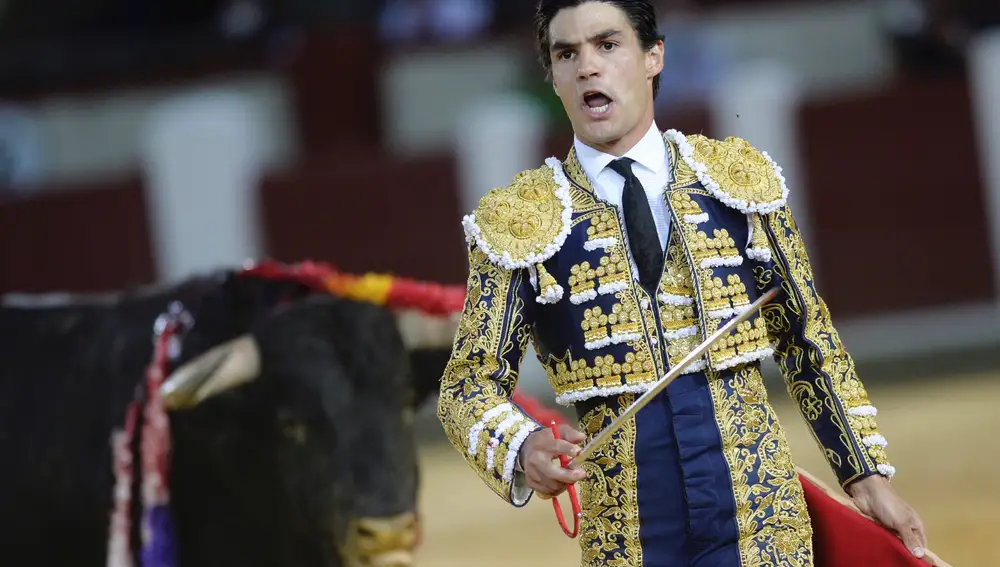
[(842, 536)]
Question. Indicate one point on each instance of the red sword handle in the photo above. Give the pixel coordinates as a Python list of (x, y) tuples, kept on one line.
[(574, 501)]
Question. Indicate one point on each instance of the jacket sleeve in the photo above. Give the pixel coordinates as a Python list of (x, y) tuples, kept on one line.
[(475, 406), (818, 371)]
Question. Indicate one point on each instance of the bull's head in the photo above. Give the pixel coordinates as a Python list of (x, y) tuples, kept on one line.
[(329, 386)]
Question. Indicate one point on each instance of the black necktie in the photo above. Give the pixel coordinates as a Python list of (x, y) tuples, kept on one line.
[(641, 229)]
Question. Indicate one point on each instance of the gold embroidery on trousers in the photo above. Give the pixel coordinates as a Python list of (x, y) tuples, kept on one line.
[(771, 514), (609, 496)]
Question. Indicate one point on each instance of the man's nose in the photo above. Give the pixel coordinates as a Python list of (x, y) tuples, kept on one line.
[(588, 64)]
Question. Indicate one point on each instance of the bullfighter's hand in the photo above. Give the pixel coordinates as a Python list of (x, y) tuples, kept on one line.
[(540, 460), (877, 498)]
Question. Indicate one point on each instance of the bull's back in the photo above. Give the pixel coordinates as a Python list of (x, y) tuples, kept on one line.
[(66, 376), (68, 370)]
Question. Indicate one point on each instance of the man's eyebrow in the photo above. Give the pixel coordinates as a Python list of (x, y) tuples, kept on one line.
[(559, 45)]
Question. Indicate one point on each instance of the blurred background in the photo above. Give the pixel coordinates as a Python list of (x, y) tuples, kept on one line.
[(142, 141)]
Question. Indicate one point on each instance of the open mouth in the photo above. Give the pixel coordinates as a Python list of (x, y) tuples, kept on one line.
[(596, 102)]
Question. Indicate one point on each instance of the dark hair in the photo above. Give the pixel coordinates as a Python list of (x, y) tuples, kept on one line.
[(641, 15)]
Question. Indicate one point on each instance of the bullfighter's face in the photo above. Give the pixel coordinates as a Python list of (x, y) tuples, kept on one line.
[(603, 75)]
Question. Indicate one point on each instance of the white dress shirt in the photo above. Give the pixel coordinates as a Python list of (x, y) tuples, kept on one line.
[(651, 167)]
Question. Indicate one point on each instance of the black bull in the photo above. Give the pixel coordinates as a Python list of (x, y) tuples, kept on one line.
[(313, 455)]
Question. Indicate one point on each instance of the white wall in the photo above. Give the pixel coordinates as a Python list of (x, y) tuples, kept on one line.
[(100, 134)]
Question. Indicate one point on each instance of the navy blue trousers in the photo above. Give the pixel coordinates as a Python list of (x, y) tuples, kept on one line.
[(678, 477)]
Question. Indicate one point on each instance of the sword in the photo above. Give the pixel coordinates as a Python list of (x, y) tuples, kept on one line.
[(603, 437)]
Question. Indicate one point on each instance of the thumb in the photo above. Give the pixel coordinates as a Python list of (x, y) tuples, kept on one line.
[(911, 540), (571, 435)]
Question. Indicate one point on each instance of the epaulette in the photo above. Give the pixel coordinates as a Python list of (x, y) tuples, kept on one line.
[(734, 172), (525, 223)]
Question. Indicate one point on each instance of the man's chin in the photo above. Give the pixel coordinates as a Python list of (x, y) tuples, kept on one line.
[(598, 133)]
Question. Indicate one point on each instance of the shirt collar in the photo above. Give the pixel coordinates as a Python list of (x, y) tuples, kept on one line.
[(650, 152)]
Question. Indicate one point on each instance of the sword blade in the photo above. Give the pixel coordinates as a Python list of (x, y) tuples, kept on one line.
[(603, 437)]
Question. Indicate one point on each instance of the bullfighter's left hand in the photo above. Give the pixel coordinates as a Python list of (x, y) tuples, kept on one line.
[(876, 497)]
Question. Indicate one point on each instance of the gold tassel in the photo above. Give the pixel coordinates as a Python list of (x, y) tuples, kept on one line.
[(759, 249), (548, 290)]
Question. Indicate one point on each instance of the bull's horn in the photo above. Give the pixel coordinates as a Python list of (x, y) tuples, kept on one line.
[(220, 369), (423, 331)]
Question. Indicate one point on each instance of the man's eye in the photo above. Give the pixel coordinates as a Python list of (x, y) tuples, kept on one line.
[(608, 46)]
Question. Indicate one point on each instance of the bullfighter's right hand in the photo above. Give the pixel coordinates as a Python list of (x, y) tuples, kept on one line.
[(540, 459)]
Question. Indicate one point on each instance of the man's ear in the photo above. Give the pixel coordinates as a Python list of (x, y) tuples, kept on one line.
[(654, 60)]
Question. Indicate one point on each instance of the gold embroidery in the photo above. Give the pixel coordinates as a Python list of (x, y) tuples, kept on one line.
[(602, 226), (746, 179), (613, 273), (685, 205), (758, 238), (522, 223), (723, 296), (676, 317), (819, 372), (567, 375), (609, 499), (581, 281), (717, 247), (719, 299), (677, 281), (684, 176), (624, 322), (574, 171), (482, 372), (679, 348), (749, 337), (595, 326), (771, 514)]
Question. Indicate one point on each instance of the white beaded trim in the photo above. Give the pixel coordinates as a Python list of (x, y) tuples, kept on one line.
[(681, 333), (480, 425), (570, 398), (759, 254), (604, 243), (875, 441), (759, 354), (514, 447), (672, 299), (614, 339), (730, 261), (605, 289), (863, 411)]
